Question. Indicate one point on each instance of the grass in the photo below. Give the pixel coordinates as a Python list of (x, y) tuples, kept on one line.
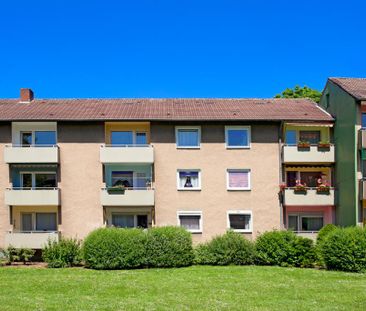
[(193, 288)]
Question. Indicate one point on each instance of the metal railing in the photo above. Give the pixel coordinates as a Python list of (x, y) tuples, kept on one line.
[(32, 231), (307, 188), (32, 188), (126, 145), (31, 146)]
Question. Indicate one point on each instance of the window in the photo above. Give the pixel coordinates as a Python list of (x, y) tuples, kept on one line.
[(191, 221), (238, 179), (240, 221), (188, 137), (38, 180), (290, 137), (39, 222), (189, 179), (301, 222), (122, 138), (129, 220), (26, 138), (237, 136), (313, 137), (38, 138), (27, 222), (141, 138), (122, 178), (363, 120)]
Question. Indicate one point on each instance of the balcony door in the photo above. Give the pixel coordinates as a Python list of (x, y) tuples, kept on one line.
[(38, 179), (27, 222)]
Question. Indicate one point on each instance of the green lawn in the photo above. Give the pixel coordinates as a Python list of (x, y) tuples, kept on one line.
[(194, 288)]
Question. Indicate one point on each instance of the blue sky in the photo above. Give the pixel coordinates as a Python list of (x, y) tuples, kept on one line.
[(178, 48)]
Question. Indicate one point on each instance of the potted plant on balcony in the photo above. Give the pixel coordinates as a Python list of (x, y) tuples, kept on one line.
[(302, 144), (324, 145), (117, 189), (282, 187), (300, 188), (323, 188)]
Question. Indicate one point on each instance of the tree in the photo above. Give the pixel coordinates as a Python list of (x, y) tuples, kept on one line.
[(301, 92)]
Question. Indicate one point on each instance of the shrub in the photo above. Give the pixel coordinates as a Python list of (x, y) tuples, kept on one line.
[(324, 232), (114, 248), (345, 249), (63, 253), (12, 254), (284, 248), (169, 247), (228, 249)]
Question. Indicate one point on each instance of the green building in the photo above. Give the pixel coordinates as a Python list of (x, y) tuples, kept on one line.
[(345, 100)]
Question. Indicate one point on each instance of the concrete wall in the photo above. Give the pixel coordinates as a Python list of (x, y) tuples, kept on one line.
[(213, 159)]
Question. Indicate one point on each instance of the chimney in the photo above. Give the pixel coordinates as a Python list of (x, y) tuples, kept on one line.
[(26, 95)]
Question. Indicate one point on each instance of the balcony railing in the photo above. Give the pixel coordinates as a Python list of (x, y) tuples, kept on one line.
[(31, 154), (310, 154), (309, 197), (30, 239), (29, 196), (127, 154)]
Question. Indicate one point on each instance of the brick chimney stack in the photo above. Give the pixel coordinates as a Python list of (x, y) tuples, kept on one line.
[(26, 95)]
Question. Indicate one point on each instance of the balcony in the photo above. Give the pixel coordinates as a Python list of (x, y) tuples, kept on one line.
[(128, 197), (32, 239), (31, 154), (127, 154), (311, 154), (309, 197), (32, 196)]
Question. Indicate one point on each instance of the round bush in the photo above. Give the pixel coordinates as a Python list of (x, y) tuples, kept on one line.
[(284, 248), (64, 253), (345, 249), (324, 232), (228, 249), (115, 248), (169, 247)]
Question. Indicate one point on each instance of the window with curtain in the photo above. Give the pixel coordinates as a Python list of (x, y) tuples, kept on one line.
[(313, 137), (45, 180), (237, 137), (123, 221), (45, 138), (290, 137), (188, 180), (26, 138), (122, 178), (27, 222), (123, 138), (188, 137), (46, 222), (310, 178), (238, 179), (293, 222), (190, 222), (239, 221), (311, 223)]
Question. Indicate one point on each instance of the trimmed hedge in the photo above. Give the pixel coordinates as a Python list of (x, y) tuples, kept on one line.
[(65, 253), (324, 232), (228, 249), (345, 249), (284, 248), (114, 248), (169, 247)]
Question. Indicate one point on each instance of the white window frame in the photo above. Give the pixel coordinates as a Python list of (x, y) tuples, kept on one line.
[(198, 128), (238, 127), (189, 189), (34, 221), (240, 212), (33, 133), (238, 188), (34, 177), (134, 136), (191, 213), (301, 215)]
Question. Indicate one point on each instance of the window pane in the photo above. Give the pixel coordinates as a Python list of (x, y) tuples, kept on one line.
[(293, 223), (363, 121), (123, 221), (311, 223), (122, 178), (142, 221), (291, 178), (27, 222), (190, 222), (237, 137), (122, 138), (26, 139), (26, 180), (46, 180), (46, 222), (238, 179), (188, 138), (188, 179), (290, 137), (313, 137), (239, 222), (310, 178), (141, 139), (45, 138)]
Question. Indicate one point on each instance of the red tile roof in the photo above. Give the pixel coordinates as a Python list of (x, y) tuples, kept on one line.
[(162, 109), (356, 87)]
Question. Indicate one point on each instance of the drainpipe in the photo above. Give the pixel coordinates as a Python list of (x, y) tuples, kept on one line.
[(280, 179)]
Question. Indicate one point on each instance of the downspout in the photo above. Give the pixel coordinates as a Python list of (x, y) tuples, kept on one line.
[(280, 177)]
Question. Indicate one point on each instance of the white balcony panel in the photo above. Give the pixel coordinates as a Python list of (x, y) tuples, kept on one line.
[(128, 198), (35, 240), (127, 154), (31, 154), (363, 138), (32, 197), (293, 154), (311, 197)]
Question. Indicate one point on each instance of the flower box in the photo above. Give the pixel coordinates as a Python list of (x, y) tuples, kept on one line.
[(116, 190), (300, 189), (324, 145), (303, 144), (323, 189)]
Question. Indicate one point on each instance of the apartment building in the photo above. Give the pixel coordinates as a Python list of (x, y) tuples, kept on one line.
[(345, 99), (69, 166)]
